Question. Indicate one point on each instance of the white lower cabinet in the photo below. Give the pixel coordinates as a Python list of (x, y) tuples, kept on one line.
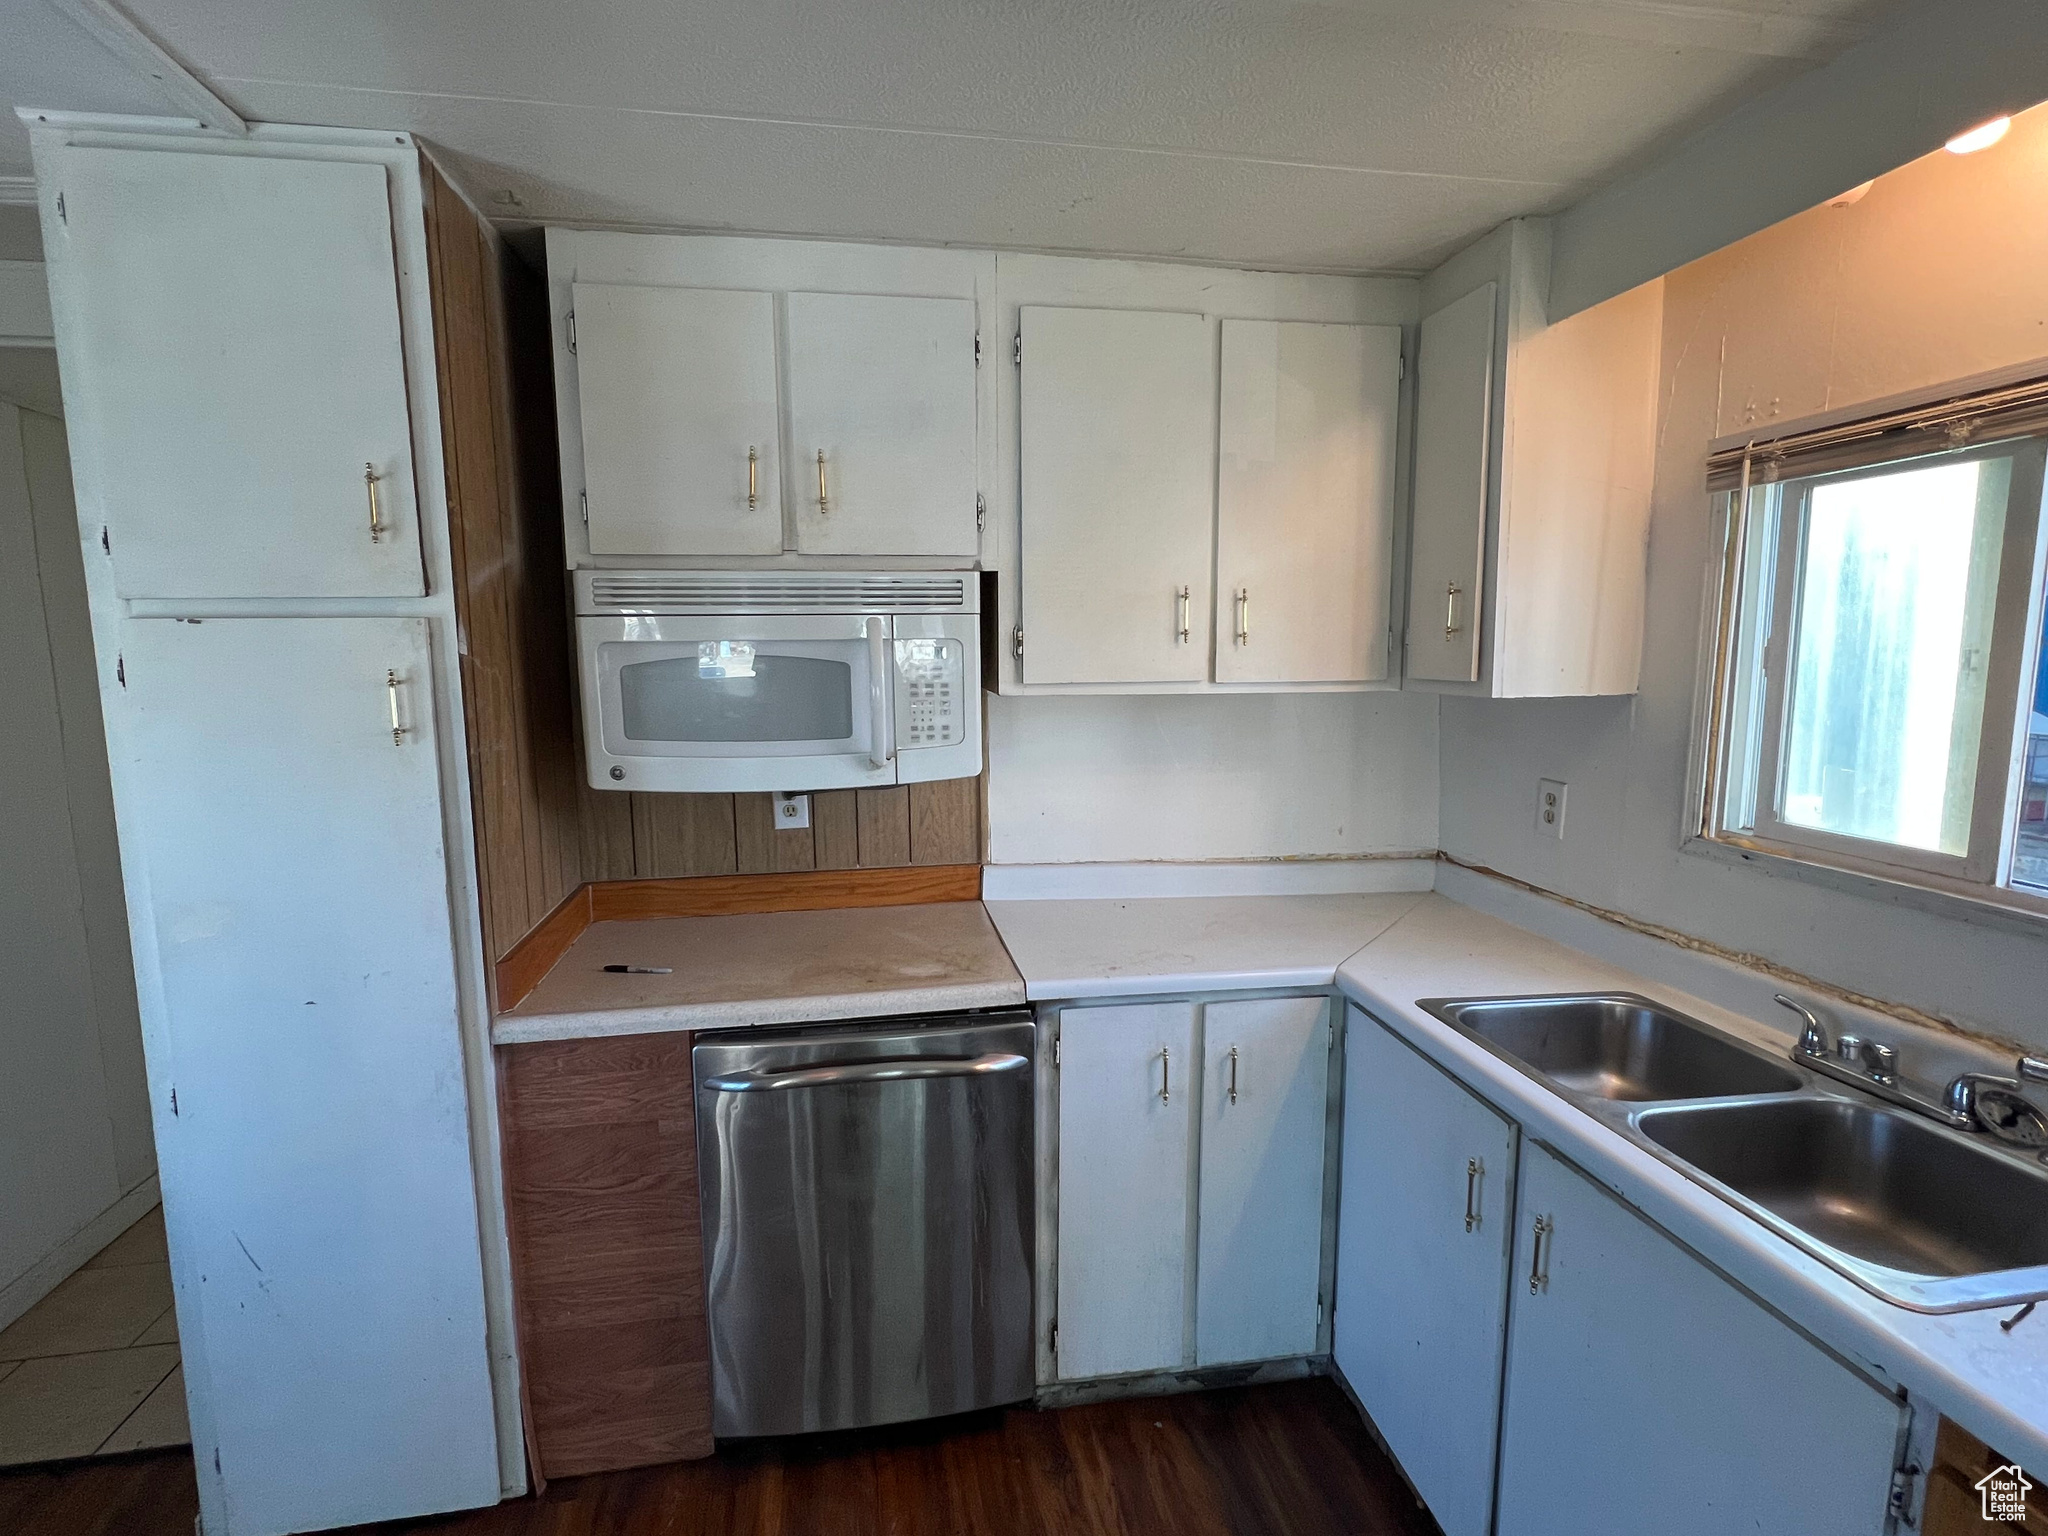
[(1646, 1392), (280, 802), (1126, 1138), (1265, 1117), (1192, 1141), (1489, 1294), (1425, 1230)]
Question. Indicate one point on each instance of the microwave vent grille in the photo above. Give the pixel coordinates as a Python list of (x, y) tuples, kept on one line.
[(780, 592)]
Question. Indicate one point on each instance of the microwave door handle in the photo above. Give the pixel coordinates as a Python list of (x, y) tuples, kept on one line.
[(881, 746)]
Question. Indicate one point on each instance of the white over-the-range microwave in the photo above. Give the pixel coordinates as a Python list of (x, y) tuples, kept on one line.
[(779, 680)]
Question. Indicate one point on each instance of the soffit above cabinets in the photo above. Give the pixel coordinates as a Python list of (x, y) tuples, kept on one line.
[(1370, 135)]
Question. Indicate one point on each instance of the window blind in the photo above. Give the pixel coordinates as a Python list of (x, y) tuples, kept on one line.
[(2011, 410)]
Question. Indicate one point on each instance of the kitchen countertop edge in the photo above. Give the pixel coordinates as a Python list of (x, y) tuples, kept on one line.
[(755, 1012)]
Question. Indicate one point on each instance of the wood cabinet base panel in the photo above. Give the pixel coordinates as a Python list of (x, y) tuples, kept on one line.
[(608, 1269)]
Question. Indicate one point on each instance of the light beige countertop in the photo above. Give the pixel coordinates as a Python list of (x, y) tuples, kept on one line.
[(1139, 945), (769, 968)]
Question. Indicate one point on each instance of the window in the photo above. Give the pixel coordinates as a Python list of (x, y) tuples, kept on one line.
[(1879, 690)]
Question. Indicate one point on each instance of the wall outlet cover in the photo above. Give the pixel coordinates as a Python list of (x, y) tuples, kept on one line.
[(791, 811), (1550, 795)]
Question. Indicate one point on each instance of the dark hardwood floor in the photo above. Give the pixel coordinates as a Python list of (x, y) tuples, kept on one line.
[(1290, 1459)]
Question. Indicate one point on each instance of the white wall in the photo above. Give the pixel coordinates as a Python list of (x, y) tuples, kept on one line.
[(74, 1105), (1940, 272), (1229, 776)]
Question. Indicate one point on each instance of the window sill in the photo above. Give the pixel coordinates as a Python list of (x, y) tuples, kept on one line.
[(1997, 906)]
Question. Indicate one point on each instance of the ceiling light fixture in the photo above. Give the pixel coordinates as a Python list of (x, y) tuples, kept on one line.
[(1853, 195), (1982, 136)]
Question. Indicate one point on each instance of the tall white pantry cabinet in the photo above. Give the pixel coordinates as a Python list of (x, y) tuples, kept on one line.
[(247, 348)]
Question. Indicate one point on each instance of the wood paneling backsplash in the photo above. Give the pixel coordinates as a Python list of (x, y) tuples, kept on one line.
[(640, 836), (541, 831)]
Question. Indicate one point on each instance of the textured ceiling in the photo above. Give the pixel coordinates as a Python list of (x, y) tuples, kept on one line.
[(1357, 135)]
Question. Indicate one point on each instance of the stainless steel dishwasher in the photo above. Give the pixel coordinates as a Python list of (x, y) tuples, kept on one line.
[(868, 1220)]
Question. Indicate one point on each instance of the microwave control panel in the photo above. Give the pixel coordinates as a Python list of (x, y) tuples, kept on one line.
[(931, 693)]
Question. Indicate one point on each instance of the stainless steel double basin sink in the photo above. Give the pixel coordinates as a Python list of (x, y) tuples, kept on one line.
[(1929, 1218)]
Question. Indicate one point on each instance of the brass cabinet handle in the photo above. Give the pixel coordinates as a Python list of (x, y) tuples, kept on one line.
[(822, 507), (1539, 1257), (1233, 1074), (1244, 615), (1165, 1075), (753, 484), (1451, 625), (1475, 1170), (391, 686), (1181, 600), (377, 523)]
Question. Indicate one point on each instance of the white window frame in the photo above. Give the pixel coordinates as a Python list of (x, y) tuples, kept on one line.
[(1736, 773)]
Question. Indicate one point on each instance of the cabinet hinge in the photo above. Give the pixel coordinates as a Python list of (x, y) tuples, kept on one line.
[(1403, 373), (583, 497), (1319, 1309), (62, 216), (1900, 1500), (980, 512), (1055, 1050), (174, 1103), (106, 545), (1053, 1342), (572, 333), (1017, 642), (121, 670), (1017, 348), (977, 349)]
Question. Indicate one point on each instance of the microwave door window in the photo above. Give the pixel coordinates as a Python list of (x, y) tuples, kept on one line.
[(732, 693)]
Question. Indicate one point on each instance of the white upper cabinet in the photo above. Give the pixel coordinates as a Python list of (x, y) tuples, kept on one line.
[(1117, 487), (679, 420), (1265, 1126), (1534, 459), (770, 400), (881, 422), (1206, 473), (1305, 501), (233, 325), (1453, 417)]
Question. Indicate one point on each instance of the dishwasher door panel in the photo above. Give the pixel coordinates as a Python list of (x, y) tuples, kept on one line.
[(868, 1223)]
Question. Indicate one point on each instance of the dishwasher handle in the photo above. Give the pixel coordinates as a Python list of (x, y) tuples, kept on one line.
[(889, 1069)]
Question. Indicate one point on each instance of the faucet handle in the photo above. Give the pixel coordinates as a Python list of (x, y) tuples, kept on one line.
[(1883, 1060), (1813, 1040)]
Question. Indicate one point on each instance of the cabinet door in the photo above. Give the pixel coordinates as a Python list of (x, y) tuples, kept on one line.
[(317, 1169), (676, 390), (1117, 477), (1454, 369), (1645, 1392), (1127, 1117), (881, 420), (1265, 1120), (235, 352), (1305, 501), (1424, 1231)]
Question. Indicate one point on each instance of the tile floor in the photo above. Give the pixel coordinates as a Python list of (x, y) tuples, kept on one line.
[(92, 1369)]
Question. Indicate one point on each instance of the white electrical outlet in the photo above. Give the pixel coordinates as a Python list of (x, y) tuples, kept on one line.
[(791, 811), (1550, 807)]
